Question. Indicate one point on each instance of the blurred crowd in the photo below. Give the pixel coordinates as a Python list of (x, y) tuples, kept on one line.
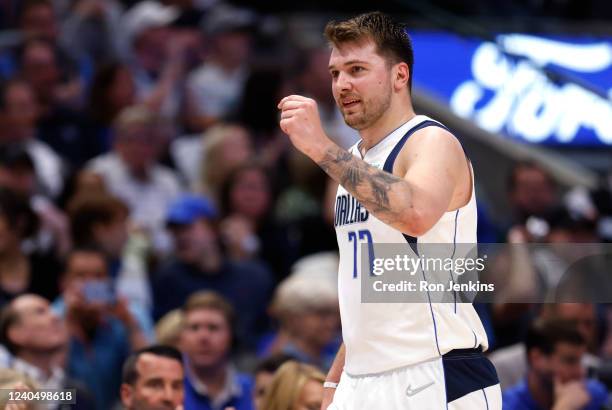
[(161, 243)]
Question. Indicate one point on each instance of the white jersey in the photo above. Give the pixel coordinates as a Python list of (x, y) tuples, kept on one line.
[(384, 336)]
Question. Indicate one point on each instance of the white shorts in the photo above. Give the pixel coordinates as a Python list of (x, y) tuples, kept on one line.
[(460, 380)]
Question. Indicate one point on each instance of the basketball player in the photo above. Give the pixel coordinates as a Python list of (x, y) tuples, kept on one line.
[(406, 181)]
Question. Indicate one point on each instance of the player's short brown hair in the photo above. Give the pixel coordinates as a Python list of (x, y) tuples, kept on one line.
[(392, 41)]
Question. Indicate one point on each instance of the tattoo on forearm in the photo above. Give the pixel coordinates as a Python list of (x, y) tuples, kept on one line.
[(369, 185)]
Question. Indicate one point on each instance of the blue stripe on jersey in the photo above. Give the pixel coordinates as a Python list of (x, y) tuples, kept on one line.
[(412, 241), (452, 257), (433, 316), (395, 152), (485, 396), (400, 144)]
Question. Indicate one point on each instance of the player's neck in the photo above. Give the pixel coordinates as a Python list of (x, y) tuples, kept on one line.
[(397, 115)]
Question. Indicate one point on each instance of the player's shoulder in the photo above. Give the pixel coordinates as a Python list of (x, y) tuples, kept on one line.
[(431, 131), (431, 145), (432, 139)]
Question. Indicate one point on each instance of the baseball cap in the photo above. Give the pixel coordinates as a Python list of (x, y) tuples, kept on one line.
[(146, 15), (188, 208)]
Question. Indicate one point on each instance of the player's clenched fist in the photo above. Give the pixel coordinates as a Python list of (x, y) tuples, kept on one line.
[(300, 120)]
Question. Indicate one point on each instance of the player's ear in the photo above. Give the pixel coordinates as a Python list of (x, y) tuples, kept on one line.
[(401, 75)]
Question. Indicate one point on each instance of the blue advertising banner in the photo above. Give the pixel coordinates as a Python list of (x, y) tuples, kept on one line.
[(503, 89)]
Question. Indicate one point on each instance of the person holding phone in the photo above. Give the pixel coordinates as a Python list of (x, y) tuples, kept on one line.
[(103, 331)]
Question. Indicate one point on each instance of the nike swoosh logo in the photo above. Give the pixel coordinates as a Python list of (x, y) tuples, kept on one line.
[(411, 392)]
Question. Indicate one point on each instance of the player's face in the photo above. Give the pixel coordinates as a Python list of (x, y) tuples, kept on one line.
[(361, 83)]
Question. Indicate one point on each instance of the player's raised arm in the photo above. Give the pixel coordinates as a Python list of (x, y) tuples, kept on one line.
[(412, 201)]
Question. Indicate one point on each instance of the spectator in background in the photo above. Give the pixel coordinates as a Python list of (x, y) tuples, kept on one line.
[(248, 229), (593, 207), (532, 192), (20, 112), (13, 380), (187, 30), (101, 220), (533, 273), (103, 330), (153, 379), (198, 264), (306, 308), (37, 20), (159, 57), (555, 378), (225, 148), (132, 172), (39, 67), (264, 374), (535, 208), (295, 386), (168, 329), (205, 160), (112, 90), (38, 340), (17, 171), (214, 90), (511, 361), (21, 272), (91, 29), (211, 381), (59, 121), (84, 182), (17, 174)]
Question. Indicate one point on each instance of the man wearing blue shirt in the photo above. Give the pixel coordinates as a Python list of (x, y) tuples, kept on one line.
[(555, 379), (198, 263), (103, 330), (211, 382)]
